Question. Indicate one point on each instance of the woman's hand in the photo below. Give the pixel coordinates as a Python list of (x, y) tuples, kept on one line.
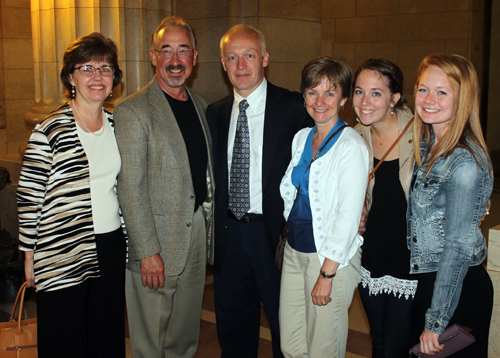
[(429, 342), (323, 286), (28, 268), (321, 291)]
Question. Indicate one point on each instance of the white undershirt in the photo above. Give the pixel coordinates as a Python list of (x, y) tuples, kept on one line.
[(104, 165), (255, 115)]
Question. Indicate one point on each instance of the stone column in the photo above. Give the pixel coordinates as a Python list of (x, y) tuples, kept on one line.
[(55, 23)]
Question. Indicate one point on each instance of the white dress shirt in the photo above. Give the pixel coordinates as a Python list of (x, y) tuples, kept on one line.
[(255, 115)]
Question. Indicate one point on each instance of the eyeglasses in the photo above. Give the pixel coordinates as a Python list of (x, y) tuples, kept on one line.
[(182, 53), (89, 70)]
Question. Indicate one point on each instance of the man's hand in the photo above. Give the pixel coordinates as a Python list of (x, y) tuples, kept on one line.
[(28, 268), (362, 224), (153, 272)]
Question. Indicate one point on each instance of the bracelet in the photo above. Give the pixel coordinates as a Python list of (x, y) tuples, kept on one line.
[(325, 275)]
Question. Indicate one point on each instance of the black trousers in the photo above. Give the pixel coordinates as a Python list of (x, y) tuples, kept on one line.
[(87, 320), (248, 277), (473, 311)]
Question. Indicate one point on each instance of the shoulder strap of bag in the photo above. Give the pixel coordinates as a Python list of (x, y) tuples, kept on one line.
[(372, 174)]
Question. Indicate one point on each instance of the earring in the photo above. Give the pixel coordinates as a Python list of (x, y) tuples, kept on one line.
[(305, 104), (392, 111), (110, 94), (341, 108), (73, 92)]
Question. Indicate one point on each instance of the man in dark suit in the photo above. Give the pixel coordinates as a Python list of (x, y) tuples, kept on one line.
[(252, 131)]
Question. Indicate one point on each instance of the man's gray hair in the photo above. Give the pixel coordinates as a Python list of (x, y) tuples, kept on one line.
[(177, 22)]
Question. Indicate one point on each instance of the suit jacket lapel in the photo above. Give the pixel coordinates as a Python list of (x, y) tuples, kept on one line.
[(271, 131), (222, 145), (163, 114)]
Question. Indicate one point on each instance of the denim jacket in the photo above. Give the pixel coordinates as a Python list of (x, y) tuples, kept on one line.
[(443, 215)]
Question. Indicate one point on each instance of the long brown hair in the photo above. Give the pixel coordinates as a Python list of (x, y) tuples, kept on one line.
[(465, 126)]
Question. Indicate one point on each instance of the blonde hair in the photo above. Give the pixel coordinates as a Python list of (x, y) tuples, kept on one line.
[(465, 125)]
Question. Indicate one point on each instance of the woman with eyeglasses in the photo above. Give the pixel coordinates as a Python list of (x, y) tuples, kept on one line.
[(70, 226)]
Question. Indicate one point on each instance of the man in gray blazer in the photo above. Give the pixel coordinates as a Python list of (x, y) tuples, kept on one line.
[(165, 189)]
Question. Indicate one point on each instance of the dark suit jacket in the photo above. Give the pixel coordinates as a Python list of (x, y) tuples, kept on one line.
[(285, 115)]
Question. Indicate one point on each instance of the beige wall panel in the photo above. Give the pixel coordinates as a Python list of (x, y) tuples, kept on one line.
[(477, 28), (109, 3), (62, 24), (446, 26), (326, 48), (411, 53), (347, 52), (478, 5), (201, 9), (133, 34), (84, 3), (85, 21), (3, 141), (211, 81), (399, 27), (17, 131), (459, 5), (328, 30), (110, 19), (17, 54), (410, 77), (134, 80), (458, 47), (16, 3), (379, 7), (419, 6), (387, 50), (309, 10), (477, 53), (2, 94), (19, 84), (361, 29), (338, 8), (16, 23), (286, 74), (13, 147), (290, 40), (208, 34)]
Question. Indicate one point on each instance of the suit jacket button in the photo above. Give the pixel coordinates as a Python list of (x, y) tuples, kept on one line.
[(191, 197), (410, 141), (415, 267), (414, 239), (188, 224), (426, 185), (436, 325)]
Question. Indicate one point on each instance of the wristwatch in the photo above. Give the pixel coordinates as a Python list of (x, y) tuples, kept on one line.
[(325, 275)]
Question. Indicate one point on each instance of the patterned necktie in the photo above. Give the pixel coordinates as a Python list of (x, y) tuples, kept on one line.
[(239, 192)]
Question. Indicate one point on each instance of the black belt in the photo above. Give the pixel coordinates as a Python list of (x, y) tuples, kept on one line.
[(247, 218)]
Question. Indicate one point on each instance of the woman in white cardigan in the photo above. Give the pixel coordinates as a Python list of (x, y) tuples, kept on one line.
[(323, 190)]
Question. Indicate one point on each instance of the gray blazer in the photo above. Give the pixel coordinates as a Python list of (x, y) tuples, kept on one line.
[(155, 188)]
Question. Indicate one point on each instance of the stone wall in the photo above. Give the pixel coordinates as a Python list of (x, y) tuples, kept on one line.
[(17, 87)]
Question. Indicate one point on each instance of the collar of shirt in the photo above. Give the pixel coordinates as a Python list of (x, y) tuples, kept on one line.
[(254, 99)]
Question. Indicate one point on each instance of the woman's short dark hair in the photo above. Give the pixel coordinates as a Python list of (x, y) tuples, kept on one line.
[(391, 73), (92, 47), (335, 70)]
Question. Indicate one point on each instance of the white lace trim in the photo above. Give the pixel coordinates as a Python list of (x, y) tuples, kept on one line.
[(388, 284)]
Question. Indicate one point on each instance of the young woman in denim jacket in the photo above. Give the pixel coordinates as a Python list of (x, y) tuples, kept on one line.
[(452, 182)]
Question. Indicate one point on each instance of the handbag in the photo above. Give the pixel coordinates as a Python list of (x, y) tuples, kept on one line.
[(18, 338), (454, 339), (280, 249)]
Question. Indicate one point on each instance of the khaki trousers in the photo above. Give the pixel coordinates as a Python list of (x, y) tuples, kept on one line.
[(308, 330), (166, 323)]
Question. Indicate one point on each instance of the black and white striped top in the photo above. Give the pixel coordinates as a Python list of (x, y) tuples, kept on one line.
[(54, 204)]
